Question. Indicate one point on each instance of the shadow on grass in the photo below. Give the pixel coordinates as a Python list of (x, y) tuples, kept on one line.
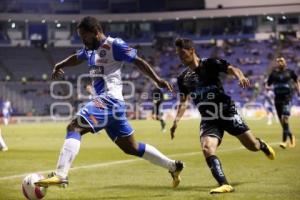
[(157, 188), (164, 190)]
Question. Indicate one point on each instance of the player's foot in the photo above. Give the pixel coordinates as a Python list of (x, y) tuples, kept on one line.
[(222, 189), (53, 179), (176, 174), (283, 145), (268, 150), (292, 143), (4, 149)]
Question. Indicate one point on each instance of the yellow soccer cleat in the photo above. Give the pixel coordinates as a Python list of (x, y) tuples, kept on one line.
[(270, 153), (53, 179), (222, 189), (267, 149), (176, 174), (292, 143), (283, 145), (4, 149)]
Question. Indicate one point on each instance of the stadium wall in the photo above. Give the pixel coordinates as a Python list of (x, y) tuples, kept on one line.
[(212, 4), (244, 11), (249, 113)]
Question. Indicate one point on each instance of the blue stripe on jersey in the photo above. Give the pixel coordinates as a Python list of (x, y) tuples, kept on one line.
[(122, 52), (99, 86), (82, 54), (91, 61)]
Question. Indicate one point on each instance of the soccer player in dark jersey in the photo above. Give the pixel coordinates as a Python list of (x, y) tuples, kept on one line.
[(282, 80), (157, 98), (200, 80)]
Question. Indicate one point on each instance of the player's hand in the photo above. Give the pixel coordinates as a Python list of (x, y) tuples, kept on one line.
[(164, 84), (56, 73), (244, 82), (173, 129)]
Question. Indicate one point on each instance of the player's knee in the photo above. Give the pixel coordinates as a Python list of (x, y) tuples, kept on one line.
[(74, 127), (208, 150), (70, 127)]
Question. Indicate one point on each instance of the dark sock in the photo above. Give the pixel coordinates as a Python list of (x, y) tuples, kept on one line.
[(286, 132), (290, 136), (262, 144), (162, 123), (215, 166), (263, 147)]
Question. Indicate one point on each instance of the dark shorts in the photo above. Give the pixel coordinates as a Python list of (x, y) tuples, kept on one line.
[(234, 125), (283, 108)]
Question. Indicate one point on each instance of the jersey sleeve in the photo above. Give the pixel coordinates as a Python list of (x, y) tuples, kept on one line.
[(82, 54), (294, 76), (123, 52), (219, 65)]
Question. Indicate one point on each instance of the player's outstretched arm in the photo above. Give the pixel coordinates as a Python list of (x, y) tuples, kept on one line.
[(180, 111), (72, 60), (148, 71), (243, 81)]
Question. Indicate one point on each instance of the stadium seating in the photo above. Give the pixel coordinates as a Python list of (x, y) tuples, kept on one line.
[(253, 57)]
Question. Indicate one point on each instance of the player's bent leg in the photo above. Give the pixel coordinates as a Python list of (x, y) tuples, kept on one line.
[(255, 144), (67, 155), (249, 141), (209, 146), (150, 153), (287, 132)]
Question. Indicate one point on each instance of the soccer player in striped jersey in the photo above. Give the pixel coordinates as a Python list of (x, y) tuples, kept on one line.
[(105, 57)]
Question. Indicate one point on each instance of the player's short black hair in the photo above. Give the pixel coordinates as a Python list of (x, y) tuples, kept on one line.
[(184, 43), (89, 24)]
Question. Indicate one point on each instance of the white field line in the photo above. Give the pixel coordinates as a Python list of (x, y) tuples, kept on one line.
[(106, 164)]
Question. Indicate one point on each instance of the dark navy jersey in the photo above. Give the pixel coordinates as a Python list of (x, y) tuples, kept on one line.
[(204, 85), (282, 81)]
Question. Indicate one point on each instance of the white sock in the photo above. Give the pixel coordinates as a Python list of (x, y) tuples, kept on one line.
[(5, 120), (67, 155), (270, 116), (2, 143), (156, 157)]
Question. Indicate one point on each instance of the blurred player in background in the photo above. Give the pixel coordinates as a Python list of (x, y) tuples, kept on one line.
[(105, 57), (3, 146), (6, 111), (90, 90), (201, 80), (157, 112), (283, 81), (269, 105)]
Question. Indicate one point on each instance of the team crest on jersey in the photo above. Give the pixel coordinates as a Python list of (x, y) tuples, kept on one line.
[(102, 53), (106, 46), (102, 60)]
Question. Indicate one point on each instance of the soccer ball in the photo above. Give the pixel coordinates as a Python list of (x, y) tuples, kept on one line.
[(31, 191)]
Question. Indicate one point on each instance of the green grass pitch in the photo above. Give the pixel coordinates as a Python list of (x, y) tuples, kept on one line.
[(102, 171)]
